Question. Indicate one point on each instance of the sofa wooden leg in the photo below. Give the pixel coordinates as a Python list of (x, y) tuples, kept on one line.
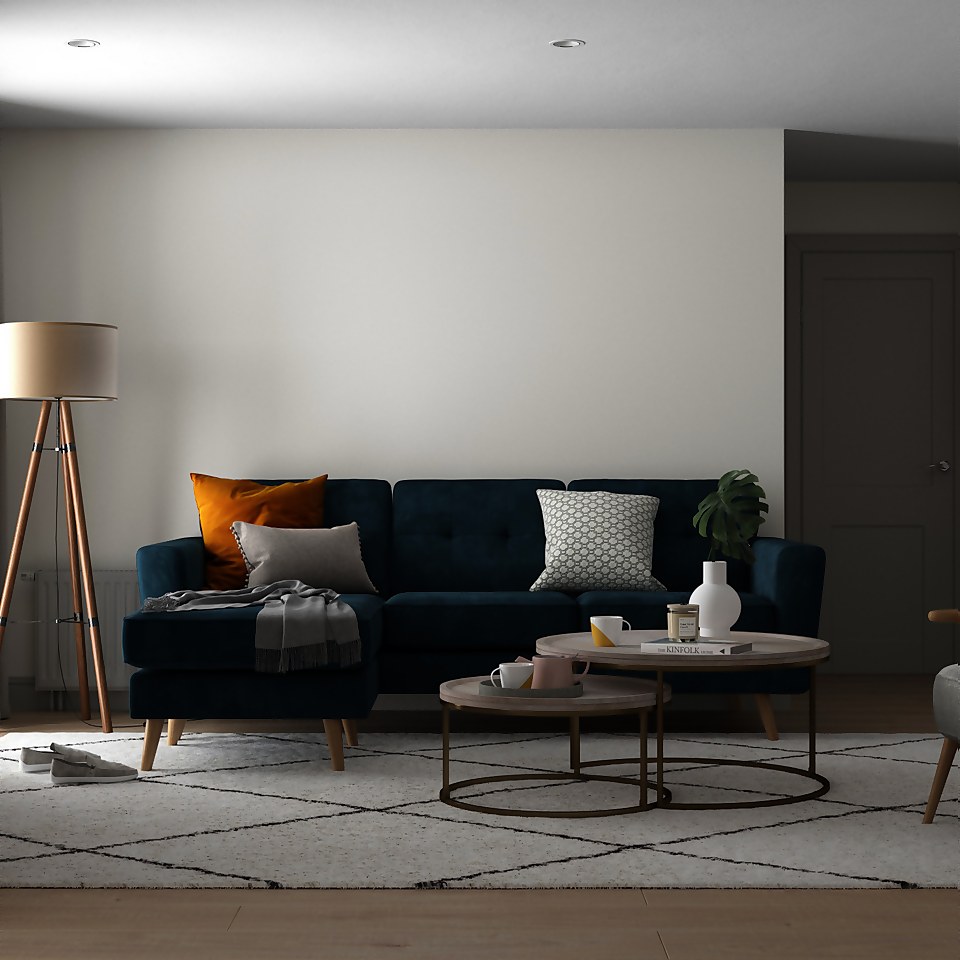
[(765, 706), (151, 740), (350, 729), (174, 730), (947, 752), (334, 732)]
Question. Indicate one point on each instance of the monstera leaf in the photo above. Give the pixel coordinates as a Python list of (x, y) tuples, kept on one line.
[(731, 516)]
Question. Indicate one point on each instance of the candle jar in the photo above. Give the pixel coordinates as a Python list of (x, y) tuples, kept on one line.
[(683, 622)]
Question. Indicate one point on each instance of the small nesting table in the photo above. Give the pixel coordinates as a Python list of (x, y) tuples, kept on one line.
[(602, 697)]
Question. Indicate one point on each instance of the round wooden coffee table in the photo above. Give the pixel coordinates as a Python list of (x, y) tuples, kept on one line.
[(770, 651), (602, 697)]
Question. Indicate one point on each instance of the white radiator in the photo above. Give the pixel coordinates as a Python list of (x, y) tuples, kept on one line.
[(117, 596)]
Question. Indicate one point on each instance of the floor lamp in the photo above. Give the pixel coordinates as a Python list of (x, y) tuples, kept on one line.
[(60, 363)]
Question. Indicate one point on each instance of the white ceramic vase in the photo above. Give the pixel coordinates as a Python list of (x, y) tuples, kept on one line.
[(719, 603)]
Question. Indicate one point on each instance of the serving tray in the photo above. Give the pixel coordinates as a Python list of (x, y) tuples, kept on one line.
[(487, 688)]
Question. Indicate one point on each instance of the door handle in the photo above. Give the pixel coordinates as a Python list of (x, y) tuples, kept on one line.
[(942, 465)]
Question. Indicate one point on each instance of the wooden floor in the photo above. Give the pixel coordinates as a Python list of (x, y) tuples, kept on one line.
[(479, 925), (510, 925)]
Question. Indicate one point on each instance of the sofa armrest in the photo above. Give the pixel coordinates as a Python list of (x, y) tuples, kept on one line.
[(171, 565), (791, 575)]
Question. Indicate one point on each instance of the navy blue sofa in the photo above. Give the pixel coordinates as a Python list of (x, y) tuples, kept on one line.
[(453, 561)]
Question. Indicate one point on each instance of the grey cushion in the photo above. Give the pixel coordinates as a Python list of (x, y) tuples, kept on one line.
[(319, 557), (597, 541), (946, 701)]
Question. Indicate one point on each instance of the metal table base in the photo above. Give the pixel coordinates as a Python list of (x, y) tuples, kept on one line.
[(575, 774), (665, 799)]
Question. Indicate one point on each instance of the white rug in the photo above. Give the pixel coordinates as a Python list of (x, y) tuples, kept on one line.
[(258, 810)]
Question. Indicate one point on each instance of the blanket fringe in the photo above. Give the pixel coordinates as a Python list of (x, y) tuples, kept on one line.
[(306, 658)]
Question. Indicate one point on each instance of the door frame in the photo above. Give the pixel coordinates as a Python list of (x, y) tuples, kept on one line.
[(795, 246)]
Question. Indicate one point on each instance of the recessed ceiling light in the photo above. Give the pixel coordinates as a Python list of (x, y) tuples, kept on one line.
[(83, 43), (569, 43)]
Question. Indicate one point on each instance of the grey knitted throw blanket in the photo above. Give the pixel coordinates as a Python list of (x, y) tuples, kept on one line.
[(299, 627)]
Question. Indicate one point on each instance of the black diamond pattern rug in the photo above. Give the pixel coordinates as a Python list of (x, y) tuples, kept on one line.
[(265, 810)]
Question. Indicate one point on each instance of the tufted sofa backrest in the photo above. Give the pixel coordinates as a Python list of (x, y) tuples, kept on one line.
[(467, 534), (370, 503), (488, 534)]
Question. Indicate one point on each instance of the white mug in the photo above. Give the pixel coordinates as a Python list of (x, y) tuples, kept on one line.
[(511, 675), (607, 631)]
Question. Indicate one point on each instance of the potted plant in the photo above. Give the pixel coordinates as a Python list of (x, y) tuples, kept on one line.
[(729, 518)]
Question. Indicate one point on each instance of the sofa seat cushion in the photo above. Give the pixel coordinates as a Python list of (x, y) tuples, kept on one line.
[(508, 621), (221, 639), (648, 611), (422, 671)]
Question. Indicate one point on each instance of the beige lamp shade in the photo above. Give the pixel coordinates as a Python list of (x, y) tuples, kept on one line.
[(65, 361)]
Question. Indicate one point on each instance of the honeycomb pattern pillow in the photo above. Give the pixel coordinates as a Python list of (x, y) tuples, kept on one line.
[(597, 541), (221, 502)]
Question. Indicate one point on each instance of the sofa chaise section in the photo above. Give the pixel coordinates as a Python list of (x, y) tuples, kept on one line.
[(200, 664)]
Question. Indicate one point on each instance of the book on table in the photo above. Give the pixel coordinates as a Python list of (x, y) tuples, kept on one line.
[(694, 648)]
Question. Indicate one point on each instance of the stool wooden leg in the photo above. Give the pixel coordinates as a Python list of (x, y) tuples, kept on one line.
[(151, 740), (174, 731), (334, 732), (765, 706), (350, 729), (947, 752)]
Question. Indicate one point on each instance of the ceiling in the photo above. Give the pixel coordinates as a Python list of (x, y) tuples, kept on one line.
[(867, 89)]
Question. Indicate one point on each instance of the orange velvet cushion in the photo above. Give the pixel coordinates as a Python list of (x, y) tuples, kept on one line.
[(221, 502)]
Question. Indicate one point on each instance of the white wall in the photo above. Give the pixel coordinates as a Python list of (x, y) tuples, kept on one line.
[(400, 304), (871, 208)]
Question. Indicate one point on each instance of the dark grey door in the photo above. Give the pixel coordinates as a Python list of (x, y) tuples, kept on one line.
[(876, 466)]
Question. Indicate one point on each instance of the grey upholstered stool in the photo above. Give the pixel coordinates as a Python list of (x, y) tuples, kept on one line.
[(946, 712)]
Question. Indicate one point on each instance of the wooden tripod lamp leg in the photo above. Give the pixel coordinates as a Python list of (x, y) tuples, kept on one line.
[(79, 639), (86, 570), (21, 528)]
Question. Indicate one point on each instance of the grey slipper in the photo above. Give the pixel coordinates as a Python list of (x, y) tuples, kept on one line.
[(35, 761), (74, 755), (103, 771)]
